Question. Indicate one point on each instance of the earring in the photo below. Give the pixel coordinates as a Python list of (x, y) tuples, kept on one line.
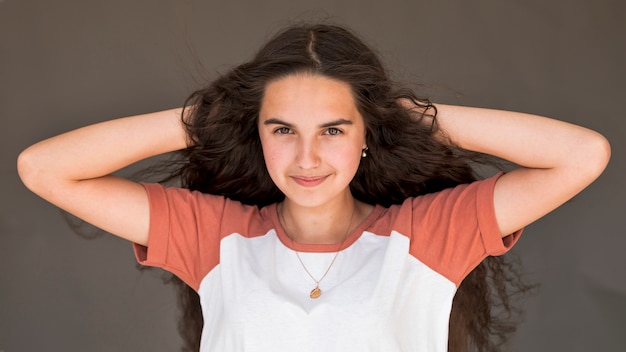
[(364, 152)]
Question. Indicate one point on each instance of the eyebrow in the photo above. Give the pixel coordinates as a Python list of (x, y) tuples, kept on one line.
[(275, 121)]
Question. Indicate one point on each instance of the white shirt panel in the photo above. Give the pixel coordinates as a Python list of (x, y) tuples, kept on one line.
[(375, 297)]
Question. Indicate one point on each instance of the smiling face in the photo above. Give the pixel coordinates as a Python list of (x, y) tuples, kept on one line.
[(312, 136)]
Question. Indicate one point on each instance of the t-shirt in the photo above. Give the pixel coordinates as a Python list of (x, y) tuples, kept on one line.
[(389, 289)]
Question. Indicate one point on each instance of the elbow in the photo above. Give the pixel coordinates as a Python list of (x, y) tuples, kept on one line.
[(25, 168), (596, 153), (603, 153), (29, 170)]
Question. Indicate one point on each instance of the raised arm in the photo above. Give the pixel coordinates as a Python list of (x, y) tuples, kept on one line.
[(73, 170), (557, 159)]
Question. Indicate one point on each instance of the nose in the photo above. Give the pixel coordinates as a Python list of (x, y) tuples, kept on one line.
[(307, 154)]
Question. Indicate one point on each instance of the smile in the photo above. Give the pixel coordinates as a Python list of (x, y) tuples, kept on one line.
[(309, 181)]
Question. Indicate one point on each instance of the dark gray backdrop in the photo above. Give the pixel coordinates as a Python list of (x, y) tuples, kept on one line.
[(68, 63)]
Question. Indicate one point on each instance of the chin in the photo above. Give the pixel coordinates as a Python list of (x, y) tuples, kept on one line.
[(313, 199)]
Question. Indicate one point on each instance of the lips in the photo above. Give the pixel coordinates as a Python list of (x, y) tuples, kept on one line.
[(309, 181)]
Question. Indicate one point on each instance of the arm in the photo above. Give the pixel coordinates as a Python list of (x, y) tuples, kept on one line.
[(72, 170), (557, 159)]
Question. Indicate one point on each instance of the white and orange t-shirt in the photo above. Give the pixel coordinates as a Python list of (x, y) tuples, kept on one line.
[(390, 288)]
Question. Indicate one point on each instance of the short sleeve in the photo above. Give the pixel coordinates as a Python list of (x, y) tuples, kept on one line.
[(184, 232), (455, 229)]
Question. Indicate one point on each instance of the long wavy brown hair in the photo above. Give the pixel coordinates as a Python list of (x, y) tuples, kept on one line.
[(407, 157)]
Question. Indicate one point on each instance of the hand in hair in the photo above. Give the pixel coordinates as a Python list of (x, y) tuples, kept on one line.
[(73, 170), (556, 159)]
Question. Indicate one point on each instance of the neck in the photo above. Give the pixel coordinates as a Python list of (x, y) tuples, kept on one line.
[(321, 225)]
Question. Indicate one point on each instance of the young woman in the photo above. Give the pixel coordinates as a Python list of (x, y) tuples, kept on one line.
[(323, 207)]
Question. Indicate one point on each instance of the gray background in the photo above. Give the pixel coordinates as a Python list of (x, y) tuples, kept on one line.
[(68, 63)]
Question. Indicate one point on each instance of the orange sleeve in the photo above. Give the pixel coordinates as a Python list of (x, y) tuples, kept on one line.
[(184, 232), (455, 229)]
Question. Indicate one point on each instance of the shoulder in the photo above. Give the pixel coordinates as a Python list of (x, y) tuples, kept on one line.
[(199, 207), (480, 191), (169, 194), (469, 204)]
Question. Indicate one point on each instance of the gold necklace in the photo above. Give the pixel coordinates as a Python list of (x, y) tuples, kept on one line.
[(316, 291)]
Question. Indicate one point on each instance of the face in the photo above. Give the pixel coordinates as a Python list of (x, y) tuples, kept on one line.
[(312, 136)]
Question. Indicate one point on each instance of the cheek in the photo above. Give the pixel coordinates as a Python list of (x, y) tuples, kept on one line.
[(346, 158), (274, 158)]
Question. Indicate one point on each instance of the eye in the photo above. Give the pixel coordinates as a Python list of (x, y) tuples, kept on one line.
[(282, 130), (333, 131)]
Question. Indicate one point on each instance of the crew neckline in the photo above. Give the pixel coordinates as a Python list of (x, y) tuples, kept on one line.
[(323, 247)]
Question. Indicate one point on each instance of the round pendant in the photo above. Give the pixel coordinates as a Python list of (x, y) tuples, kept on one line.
[(316, 292)]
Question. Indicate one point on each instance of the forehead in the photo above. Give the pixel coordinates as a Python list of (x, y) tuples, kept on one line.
[(308, 96)]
